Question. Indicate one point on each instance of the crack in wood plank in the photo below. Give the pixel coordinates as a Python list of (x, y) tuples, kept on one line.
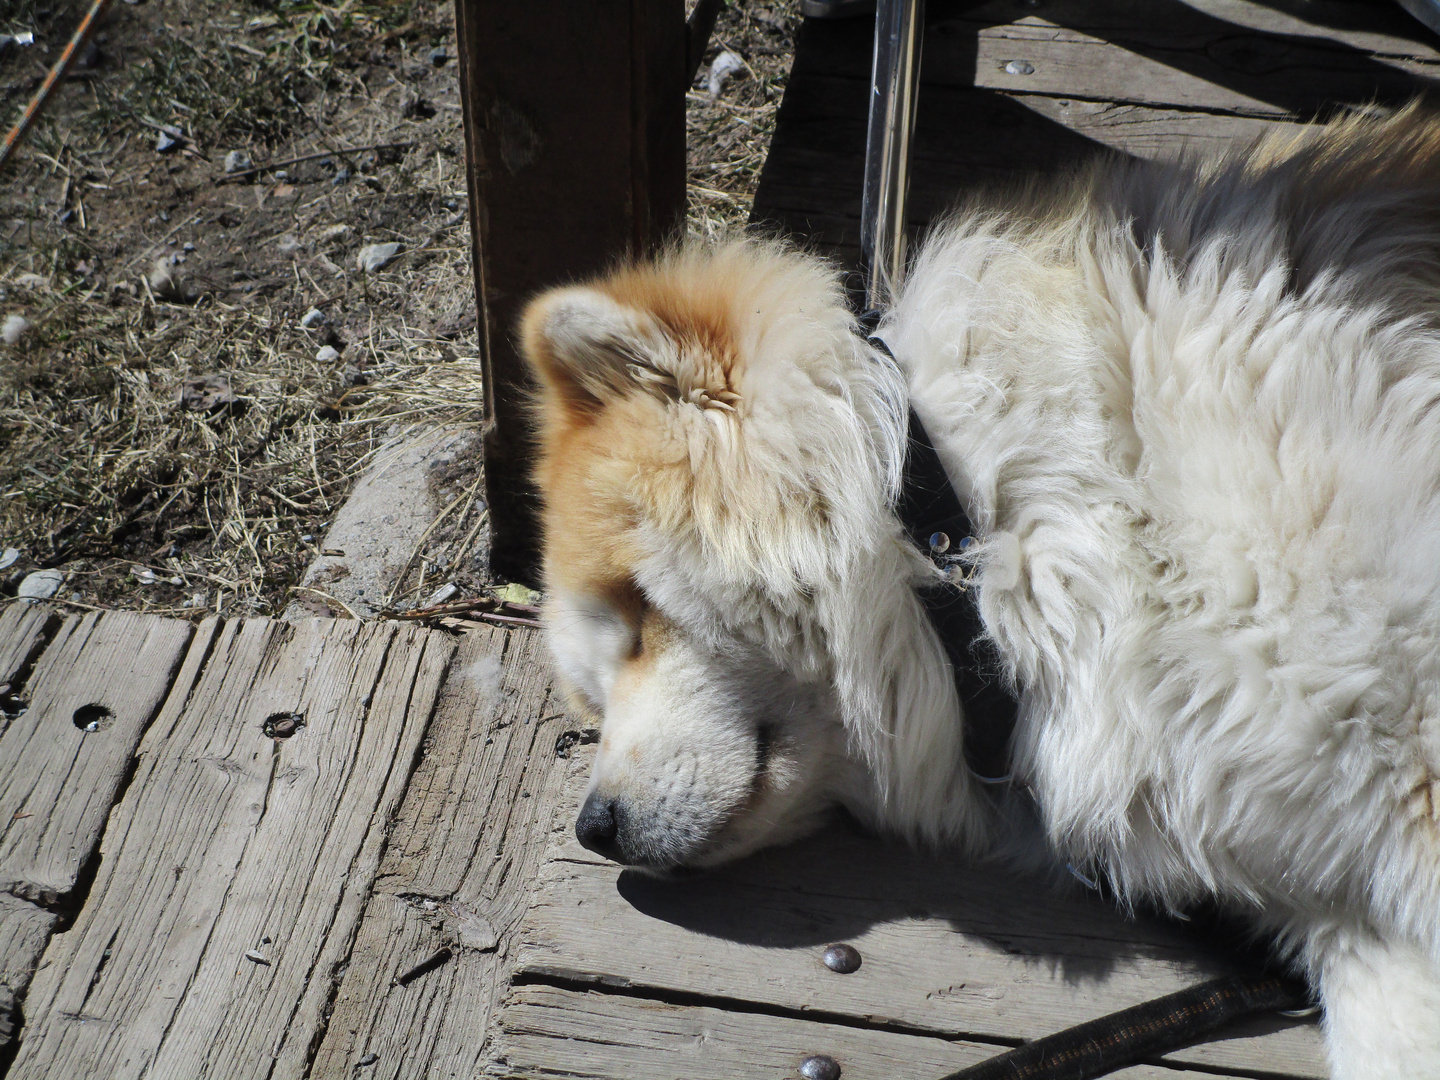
[(466, 846), (230, 843), (548, 1031), (59, 778)]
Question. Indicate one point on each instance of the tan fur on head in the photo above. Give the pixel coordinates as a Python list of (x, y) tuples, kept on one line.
[(717, 443)]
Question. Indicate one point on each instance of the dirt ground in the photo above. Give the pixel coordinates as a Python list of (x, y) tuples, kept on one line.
[(203, 366)]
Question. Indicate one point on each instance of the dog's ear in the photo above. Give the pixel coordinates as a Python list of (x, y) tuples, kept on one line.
[(588, 348)]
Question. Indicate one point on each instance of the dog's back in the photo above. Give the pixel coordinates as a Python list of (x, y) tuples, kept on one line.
[(1193, 410)]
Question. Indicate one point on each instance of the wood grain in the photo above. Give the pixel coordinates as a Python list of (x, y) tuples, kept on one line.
[(59, 780), (575, 151), (1218, 55), (236, 866), (1012, 90), (24, 930), (948, 949), (24, 629), (466, 849), (546, 1032)]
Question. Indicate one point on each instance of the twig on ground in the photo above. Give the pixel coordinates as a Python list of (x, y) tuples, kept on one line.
[(272, 166)]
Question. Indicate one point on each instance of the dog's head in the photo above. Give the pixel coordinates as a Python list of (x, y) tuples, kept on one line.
[(729, 591)]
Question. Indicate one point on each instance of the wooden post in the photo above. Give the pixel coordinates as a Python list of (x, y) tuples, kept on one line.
[(575, 144)]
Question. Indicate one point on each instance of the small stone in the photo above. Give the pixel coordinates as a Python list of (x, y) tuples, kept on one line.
[(438, 56), (288, 244), (413, 106), (257, 957), (440, 595), (333, 232), (144, 575), (342, 176), (1019, 67), (820, 1067), (9, 557), (373, 257), (32, 281), (724, 65), (15, 326), (168, 140), (312, 318), (841, 959), (41, 585), (163, 283), (237, 161), (207, 393), (367, 1060), (327, 354), (188, 246)]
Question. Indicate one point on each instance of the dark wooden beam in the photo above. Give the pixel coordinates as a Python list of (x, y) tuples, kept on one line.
[(575, 140)]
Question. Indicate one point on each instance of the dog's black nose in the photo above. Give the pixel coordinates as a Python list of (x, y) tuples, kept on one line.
[(596, 827)]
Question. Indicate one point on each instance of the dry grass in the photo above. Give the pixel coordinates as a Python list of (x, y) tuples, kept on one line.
[(104, 473), (728, 135)]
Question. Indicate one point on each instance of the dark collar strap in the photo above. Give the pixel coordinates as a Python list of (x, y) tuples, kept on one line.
[(937, 522)]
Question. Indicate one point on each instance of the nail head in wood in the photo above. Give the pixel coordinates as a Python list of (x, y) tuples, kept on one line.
[(820, 1067), (282, 725), (841, 959)]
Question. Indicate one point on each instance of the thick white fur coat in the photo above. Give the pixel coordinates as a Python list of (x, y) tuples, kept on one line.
[(1195, 416), (1193, 410)]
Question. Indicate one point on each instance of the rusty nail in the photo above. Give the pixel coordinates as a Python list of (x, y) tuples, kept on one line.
[(841, 959), (820, 1067), (424, 967)]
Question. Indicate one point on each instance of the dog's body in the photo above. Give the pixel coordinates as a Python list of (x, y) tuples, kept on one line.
[(1194, 413)]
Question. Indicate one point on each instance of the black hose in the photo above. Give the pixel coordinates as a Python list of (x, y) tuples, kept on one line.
[(1101, 1046)]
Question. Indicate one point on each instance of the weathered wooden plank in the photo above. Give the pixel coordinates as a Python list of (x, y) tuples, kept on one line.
[(949, 949), (466, 848), (1152, 79), (1217, 55), (92, 693), (24, 930), (24, 628), (575, 137), (964, 140), (1220, 68), (236, 865), (546, 1031)]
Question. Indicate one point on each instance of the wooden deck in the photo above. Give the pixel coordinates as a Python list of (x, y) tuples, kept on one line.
[(341, 849), (393, 890), (1017, 87)]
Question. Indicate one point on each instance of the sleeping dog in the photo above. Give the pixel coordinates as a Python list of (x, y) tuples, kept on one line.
[(1193, 412)]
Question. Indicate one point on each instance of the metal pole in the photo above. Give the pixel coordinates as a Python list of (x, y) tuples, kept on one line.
[(894, 87)]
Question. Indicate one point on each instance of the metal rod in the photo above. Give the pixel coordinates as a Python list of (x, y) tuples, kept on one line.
[(894, 88), (72, 50)]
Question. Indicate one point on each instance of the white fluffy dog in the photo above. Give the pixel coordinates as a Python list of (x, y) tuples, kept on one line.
[(1193, 411)]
